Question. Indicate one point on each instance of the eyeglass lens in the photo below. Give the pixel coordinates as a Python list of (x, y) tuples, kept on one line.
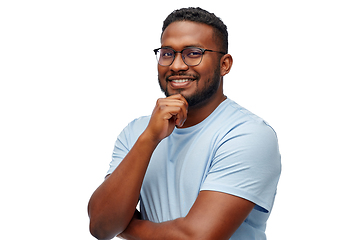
[(190, 56)]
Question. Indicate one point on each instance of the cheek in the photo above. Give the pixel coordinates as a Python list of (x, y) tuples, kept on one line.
[(204, 72), (162, 72), (207, 65), (162, 68)]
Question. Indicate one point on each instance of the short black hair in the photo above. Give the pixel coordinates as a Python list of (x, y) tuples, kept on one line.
[(200, 15)]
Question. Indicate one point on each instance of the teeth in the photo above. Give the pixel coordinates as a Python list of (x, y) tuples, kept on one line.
[(181, 80)]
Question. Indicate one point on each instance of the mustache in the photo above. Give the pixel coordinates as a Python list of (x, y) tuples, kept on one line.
[(192, 76)]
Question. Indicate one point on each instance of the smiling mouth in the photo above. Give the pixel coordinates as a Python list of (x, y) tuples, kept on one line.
[(180, 83), (181, 80), (182, 77)]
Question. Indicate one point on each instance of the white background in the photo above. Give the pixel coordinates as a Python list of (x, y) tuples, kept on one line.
[(74, 73)]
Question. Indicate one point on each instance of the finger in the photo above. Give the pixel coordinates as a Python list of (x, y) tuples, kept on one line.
[(179, 97), (181, 115), (166, 102), (175, 101), (184, 106), (175, 115), (170, 112)]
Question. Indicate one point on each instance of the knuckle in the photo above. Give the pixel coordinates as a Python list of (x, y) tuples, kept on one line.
[(159, 101), (162, 107)]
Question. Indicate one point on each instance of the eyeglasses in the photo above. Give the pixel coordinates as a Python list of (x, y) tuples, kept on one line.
[(191, 56)]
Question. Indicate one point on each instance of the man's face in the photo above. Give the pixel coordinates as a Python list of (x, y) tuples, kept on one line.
[(196, 83)]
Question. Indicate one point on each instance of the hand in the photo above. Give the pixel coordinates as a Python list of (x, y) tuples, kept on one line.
[(168, 113), (130, 232), (126, 234)]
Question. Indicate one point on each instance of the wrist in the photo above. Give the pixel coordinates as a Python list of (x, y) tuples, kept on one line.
[(133, 229), (149, 138)]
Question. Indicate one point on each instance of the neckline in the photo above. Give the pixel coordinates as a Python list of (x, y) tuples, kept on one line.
[(204, 122)]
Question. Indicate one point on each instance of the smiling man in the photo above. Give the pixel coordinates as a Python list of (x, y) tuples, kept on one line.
[(201, 166)]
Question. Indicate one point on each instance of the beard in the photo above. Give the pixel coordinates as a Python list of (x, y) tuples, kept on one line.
[(200, 96)]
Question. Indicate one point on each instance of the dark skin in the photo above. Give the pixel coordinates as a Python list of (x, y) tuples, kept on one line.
[(214, 215)]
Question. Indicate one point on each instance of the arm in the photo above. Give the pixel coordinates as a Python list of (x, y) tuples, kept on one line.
[(112, 205), (214, 215)]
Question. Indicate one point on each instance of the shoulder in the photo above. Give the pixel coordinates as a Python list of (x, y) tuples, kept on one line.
[(141, 121), (126, 139), (134, 129), (248, 137), (138, 124), (236, 119)]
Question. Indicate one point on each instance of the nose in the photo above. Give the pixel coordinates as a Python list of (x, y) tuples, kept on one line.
[(178, 64)]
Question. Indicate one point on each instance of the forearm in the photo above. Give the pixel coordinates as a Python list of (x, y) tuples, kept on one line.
[(146, 230), (112, 205), (214, 216)]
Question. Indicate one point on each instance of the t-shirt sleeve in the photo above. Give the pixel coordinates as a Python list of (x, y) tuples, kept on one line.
[(121, 149), (247, 164), (126, 140)]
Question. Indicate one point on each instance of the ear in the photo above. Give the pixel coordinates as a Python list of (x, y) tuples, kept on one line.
[(225, 64)]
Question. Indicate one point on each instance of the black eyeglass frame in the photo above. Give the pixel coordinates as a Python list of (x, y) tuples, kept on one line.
[(203, 50)]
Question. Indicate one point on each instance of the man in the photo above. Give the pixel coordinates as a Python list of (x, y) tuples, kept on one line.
[(202, 166)]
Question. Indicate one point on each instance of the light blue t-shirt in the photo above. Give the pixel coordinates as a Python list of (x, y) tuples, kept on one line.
[(231, 151)]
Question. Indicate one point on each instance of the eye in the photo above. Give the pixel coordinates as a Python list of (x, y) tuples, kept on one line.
[(193, 53), (165, 53)]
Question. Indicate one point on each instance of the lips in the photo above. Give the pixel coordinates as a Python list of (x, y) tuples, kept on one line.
[(180, 77), (180, 81)]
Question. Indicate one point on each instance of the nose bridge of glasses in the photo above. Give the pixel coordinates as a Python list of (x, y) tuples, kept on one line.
[(182, 61)]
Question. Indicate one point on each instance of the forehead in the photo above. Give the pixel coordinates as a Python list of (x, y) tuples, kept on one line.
[(185, 33)]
